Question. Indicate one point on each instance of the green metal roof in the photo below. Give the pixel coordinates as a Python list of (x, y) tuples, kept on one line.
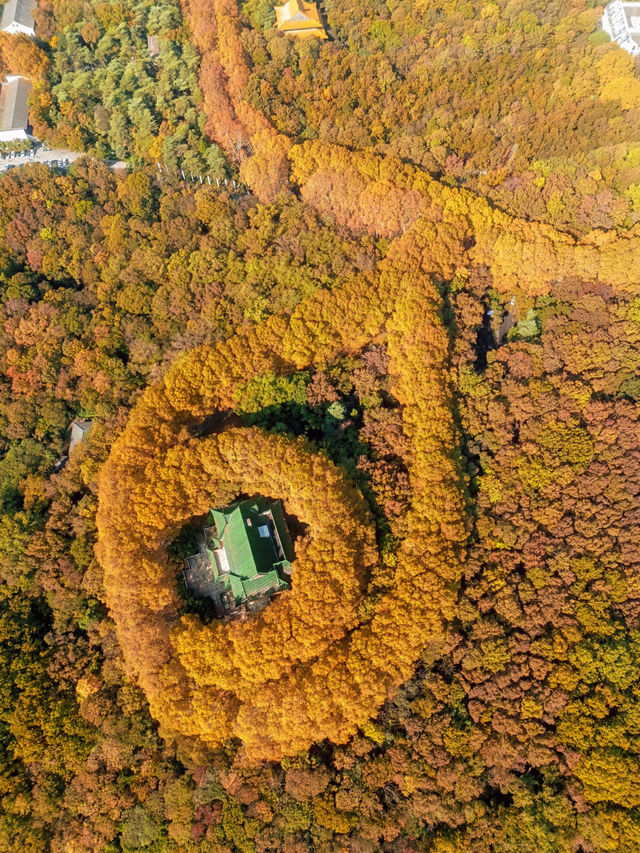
[(262, 583), (251, 547)]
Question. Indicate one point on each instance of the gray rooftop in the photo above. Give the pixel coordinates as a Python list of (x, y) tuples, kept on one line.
[(632, 20), (14, 112), (19, 12)]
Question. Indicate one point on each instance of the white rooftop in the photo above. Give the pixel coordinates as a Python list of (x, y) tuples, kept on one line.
[(621, 20), (17, 17)]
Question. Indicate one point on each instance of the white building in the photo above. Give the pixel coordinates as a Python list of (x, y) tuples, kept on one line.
[(17, 17), (14, 111), (621, 20)]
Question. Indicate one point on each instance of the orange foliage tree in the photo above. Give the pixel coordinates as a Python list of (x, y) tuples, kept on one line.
[(22, 56), (383, 195), (242, 131)]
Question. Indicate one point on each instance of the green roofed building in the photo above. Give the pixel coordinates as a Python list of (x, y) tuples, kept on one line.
[(246, 553)]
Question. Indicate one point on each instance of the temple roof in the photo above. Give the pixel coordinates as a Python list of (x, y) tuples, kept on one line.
[(296, 17), (248, 544)]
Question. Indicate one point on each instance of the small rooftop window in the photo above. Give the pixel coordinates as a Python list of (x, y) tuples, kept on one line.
[(263, 530)]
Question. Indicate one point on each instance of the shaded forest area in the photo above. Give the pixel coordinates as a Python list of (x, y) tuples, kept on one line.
[(526, 103), (518, 731), (104, 283), (520, 736)]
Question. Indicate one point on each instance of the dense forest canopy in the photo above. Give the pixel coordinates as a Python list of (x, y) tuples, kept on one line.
[(417, 322), (109, 90), (525, 102)]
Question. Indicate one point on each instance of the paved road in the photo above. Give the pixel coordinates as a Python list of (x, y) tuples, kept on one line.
[(54, 157)]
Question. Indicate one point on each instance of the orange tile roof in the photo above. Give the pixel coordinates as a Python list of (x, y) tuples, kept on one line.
[(298, 18)]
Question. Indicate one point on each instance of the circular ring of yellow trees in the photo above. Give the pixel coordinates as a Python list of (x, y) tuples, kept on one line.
[(321, 659)]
